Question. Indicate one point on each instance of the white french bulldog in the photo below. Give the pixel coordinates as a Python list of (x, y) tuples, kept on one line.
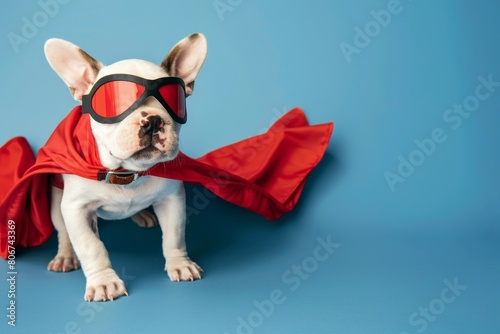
[(131, 144)]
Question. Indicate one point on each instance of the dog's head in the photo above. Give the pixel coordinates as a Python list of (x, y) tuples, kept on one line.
[(148, 134)]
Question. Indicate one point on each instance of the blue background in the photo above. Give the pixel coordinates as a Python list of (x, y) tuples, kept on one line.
[(397, 246)]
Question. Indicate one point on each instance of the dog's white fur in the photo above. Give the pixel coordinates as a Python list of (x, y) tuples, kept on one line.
[(75, 209)]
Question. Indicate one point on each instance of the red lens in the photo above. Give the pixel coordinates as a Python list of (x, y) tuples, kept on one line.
[(114, 97), (175, 97)]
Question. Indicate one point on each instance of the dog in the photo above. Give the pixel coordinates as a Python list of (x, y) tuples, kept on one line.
[(148, 135)]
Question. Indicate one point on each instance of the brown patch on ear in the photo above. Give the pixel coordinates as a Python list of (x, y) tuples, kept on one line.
[(94, 64), (193, 36), (168, 62), (190, 87)]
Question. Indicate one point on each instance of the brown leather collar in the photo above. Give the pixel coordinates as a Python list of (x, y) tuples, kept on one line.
[(121, 177)]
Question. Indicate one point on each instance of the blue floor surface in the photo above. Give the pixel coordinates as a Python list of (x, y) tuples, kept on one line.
[(397, 230)]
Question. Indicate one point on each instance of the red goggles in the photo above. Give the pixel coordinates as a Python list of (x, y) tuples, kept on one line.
[(116, 96)]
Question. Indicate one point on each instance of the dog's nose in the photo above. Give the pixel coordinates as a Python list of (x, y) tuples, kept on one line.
[(152, 125)]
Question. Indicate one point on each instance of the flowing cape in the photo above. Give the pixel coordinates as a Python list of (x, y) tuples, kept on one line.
[(264, 173)]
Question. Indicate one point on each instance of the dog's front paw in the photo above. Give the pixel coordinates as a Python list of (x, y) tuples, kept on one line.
[(145, 218), (104, 285), (63, 263), (183, 269)]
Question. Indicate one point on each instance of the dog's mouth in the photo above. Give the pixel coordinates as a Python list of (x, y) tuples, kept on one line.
[(148, 153), (153, 154)]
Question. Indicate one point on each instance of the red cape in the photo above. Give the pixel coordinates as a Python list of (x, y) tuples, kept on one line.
[(264, 173)]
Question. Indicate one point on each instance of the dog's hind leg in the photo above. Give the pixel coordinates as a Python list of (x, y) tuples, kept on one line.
[(65, 259), (145, 218)]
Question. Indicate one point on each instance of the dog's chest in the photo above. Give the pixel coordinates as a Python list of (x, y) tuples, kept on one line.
[(119, 207), (119, 202)]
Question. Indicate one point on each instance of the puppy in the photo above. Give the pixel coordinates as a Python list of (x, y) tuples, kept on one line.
[(146, 136)]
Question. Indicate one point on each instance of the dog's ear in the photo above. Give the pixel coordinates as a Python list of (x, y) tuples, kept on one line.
[(77, 69), (186, 58)]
